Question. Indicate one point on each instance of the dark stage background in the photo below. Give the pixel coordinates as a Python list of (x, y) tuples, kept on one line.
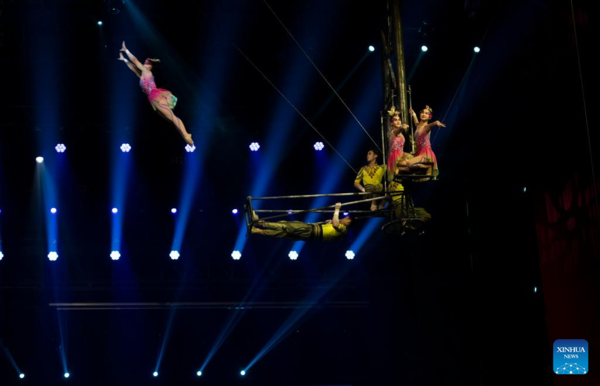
[(508, 264)]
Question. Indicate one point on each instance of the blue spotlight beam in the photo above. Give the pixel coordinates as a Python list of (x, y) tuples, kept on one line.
[(165, 340), (456, 93), (234, 317), (296, 316), (294, 107), (365, 234), (50, 199), (10, 358), (322, 76)]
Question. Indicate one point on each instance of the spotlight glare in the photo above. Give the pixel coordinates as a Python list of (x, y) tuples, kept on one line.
[(190, 148), (199, 373), (236, 255), (115, 255), (21, 375), (125, 148), (242, 373), (173, 210), (155, 374), (39, 160), (52, 210), (174, 255), (115, 210), (234, 211), (290, 211), (60, 148), (346, 213), (524, 189), (534, 290), (67, 375), (293, 255), (476, 49), (319, 146), (52, 256), (254, 146), (424, 48), (1, 255), (100, 22), (371, 48), (350, 255)]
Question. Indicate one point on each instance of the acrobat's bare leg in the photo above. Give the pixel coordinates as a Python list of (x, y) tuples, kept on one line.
[(168, 114)]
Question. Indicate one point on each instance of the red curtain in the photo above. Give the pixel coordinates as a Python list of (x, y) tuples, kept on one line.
[(568, 232)]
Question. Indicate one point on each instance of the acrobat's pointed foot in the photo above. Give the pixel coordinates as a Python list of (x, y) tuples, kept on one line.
[(188, 139)]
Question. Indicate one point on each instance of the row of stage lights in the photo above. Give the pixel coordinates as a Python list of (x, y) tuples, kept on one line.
[(126, 148), (370, 48), (293, 255), (154, 374), (174, 255), (475, 49)]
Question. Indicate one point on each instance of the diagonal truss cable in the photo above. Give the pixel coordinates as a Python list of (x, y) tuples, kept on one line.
[(585, 113), (294, 107), (320, 73)]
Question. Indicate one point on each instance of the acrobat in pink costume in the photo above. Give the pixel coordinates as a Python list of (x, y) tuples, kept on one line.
[(397, 140), (162, 101), (423, 148), (422, 139), (156, 95)]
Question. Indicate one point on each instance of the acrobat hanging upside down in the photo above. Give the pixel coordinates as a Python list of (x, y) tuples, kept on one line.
[(330, 230)]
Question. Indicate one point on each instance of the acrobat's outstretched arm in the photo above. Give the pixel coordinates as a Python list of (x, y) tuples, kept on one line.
[(133, 59), (335, 221), (131, 66), (414, 116), (427, 128)]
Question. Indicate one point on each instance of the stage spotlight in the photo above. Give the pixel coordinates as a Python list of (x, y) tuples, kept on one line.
[(350, 255), (60, 148), (52, 256), (371, 48), (125, 148), (242, 373), (53, 210), (155, 374), (67, 375), (115, 210), (174, 255), (115, 255), (524, 189), (100, 22), (346, 213), (39, 160), (319, 146), (424, 48), (234, 211), (476, 49), (293, 255), (1, 255), (190, 148), (290, 211), (236, 255), (21, 375), (534, 290), (199, 373), (173, 210), (254, 146)]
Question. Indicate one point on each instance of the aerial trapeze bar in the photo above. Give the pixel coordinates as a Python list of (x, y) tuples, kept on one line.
[(324, 209)]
